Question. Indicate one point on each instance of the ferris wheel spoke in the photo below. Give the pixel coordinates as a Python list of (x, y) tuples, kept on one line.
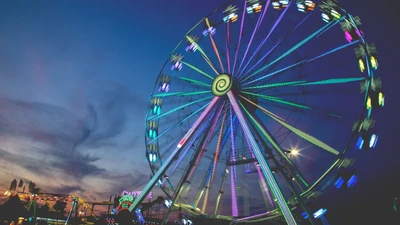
[(186, 149), (215, 47), (311, 111), (263, 163), (266, 38), (342, 80), (221, 190), (296, 131), (198, 70), (205, 183), (216, 157), (196, 82), (203, 54), (227, 42), (277, 100), (274, 143), (260, 18), (331, 81), (173, 94), (344, 91), (301, 63), (176, 124), (167, 163), (191, 166), (332, 25), (207, 141), (179, 108), (263, 185), (232, 121), (240, 38), (292, 49)]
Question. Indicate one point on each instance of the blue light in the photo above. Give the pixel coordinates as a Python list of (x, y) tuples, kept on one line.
[(360, 143), (352, 181), (319, 213), (154, 157), (339, 182)]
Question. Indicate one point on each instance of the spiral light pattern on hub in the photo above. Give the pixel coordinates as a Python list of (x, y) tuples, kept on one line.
[(221, 84)]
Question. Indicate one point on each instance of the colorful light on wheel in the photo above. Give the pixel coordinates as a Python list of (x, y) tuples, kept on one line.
[(242, 87)]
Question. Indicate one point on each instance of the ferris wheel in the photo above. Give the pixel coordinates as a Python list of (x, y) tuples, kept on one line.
[(259, 107)]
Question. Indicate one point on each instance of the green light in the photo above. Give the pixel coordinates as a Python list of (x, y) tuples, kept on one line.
[(332, 81), (276, 84), (334, 115), (274, 144), (369, 103), (195, 81), (126, 198), (221, 84), (275, 99), (381, 99), (306, 136), (290, 50), (361, 65), (203, 54), (335, 14), (181, 93), (179, 108), (197, 69)]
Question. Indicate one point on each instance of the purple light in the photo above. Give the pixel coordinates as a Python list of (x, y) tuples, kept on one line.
[(264, 40), (227, 48), (210, 30), (235, 212), (164, 87), (191, 47), (240, 38), (252, 36), (348, 36), (359, 33), (176, 66)]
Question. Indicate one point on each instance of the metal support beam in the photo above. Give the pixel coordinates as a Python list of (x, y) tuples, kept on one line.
[(263, 163), (167, 163)]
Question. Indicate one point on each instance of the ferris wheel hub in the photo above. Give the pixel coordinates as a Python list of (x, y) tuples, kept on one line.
[(222, 84)]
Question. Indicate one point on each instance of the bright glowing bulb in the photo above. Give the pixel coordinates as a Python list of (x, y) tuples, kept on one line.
[(294, 152)]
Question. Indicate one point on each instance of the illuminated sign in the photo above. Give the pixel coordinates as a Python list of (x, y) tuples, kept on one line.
[(136, 194), (126, 198)]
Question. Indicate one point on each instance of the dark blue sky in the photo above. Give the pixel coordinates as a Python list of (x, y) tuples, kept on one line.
[(75, 79)]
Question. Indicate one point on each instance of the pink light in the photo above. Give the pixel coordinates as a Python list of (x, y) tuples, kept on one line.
[(359, 33), (235, 212), (348, 36)]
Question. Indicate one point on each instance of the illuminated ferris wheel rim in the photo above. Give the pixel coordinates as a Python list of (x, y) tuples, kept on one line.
[(367, 63)]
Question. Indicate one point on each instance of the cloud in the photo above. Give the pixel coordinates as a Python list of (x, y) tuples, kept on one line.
[(67, 189), (65, 152)]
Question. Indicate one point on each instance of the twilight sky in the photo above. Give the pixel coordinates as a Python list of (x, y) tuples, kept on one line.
[(75, 78)]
